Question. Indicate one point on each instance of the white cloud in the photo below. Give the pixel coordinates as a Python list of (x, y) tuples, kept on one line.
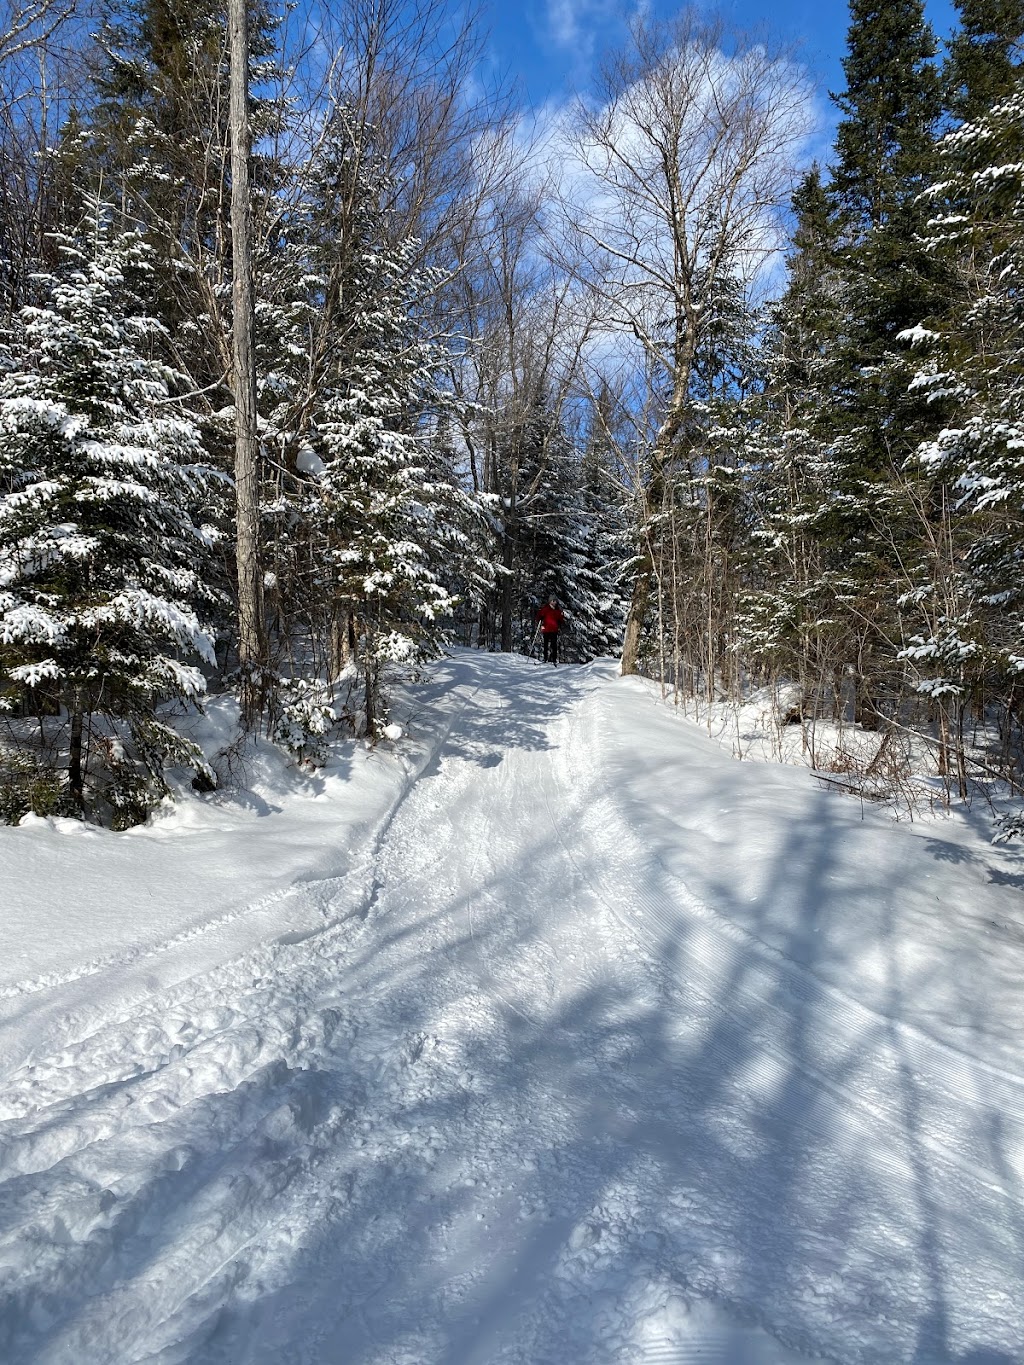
[(583, 26)]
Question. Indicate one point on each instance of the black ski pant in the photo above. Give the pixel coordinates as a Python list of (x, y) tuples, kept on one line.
[(550, 638)]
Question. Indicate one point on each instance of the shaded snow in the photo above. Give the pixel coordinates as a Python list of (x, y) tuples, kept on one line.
[(553, 1035)]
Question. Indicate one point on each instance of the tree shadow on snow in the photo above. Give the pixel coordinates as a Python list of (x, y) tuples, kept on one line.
[(513, 704), (605, 1103)]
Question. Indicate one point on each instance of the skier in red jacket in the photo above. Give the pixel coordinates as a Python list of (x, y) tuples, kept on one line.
[(550, 617)]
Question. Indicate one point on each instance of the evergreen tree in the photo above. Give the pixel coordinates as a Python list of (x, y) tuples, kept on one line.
[(101, 477), (971, 613), (397, 522), (885, 282), (598, 597), (710, 511), (884, 146), (571, 537), (356, 398), (788, 622), (155, 138), (539, 551), (985, 56), (809, 318), (889, 107)]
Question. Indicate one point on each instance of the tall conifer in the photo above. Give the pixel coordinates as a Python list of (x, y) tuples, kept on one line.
[(973, 364), (884, 147), (985, 56), (884, 156), (101, 477)]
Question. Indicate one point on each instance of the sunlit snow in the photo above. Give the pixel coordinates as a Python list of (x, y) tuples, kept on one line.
[(550, 1034)]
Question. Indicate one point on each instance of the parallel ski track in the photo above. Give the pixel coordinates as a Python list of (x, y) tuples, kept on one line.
[(271, 1032), (898, 1047), (901, 1052), (590, 831), (79, 1049), (241, 1061)]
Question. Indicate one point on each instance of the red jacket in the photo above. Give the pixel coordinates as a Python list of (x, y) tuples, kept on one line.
[(550, 618)]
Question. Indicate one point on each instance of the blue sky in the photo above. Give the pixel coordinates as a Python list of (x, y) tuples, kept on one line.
[(551, 46)]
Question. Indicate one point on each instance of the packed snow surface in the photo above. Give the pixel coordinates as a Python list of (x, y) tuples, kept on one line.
[(551, 1033)]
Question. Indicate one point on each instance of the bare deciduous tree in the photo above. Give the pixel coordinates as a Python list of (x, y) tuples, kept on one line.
[(526, 322), (679, 171), (40, 83), (26, 24), (407, 75)]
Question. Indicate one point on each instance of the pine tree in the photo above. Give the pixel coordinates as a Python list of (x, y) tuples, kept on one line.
[(532, 459), (884, 146), (889, 107), (101, 477), (788, 623), (600, 533), (571, 536), (808, 320)]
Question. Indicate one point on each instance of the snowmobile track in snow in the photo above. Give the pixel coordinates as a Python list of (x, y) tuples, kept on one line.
[(520, 1096)]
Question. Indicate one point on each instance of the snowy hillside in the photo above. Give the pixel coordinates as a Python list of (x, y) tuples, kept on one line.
[(552, 1034)]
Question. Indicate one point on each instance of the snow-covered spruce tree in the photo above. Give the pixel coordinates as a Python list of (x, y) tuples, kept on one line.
[(789, 627), (608, 543), (711, 562), (376, 506), (101, 477), (395, 521), (884, 157), (570, 537), (598, 597), (984, 57), (153, 134), (970, 615)]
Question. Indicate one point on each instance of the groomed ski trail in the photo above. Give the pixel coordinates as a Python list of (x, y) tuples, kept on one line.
[(529, 1094)]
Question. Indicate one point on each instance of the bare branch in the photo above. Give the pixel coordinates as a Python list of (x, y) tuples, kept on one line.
[(31, 23)]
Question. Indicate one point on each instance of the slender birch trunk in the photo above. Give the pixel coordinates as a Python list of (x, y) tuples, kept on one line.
[(251, 651), (508, 543)]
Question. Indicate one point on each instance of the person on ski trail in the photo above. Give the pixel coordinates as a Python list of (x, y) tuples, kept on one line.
[(550, 617)]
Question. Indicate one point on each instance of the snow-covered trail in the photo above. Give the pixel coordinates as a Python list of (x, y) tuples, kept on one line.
[(624, 1052)]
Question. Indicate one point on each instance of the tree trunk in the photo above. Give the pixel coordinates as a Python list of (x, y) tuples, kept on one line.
[(635, 620), (342, 639), (251, 651), (76, 776), (506, 593), (655, 497), (371, 680), (508, 541)]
